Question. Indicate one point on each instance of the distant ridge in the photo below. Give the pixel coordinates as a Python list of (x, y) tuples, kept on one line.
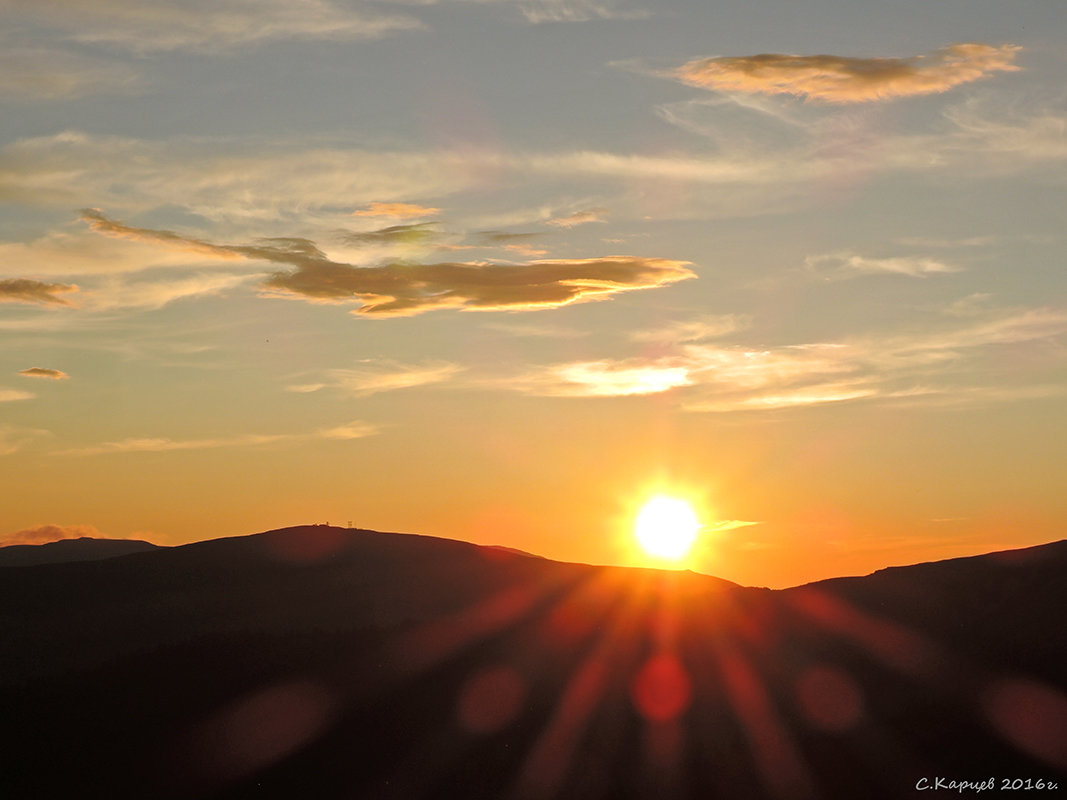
[(335, 663), (65, 551)]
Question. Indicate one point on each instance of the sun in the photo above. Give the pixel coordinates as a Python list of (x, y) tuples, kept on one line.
[(666, 527)]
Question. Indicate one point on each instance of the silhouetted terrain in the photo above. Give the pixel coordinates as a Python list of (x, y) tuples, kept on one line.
[(83, 549), (317, 662)]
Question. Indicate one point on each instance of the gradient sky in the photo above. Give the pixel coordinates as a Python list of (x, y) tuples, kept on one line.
[(499, 270)]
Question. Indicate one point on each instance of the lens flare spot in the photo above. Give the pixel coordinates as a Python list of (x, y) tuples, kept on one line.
[(661, 690)]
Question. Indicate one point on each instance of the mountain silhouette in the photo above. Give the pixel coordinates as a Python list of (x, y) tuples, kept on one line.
[(322, 662), (84, 548)]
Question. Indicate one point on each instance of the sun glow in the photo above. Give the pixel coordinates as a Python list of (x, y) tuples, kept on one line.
[(666, 527)]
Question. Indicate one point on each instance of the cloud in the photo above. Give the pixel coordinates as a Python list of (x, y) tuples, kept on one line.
[(13, 395), (405, 289), (240, 181), (211, 25), (399, 289), (541, 11), (506, 237), (931, 367), (706, 327), (603, 379), (14, 438), (44, 372), (412, 234), (25, 290), (537, 331), (971, 305), (840, 266), (382, 376), (244, 184), (43, 534), (839, 79), (117, 293), (579, 218), (514, 242), (525, 250), (398, 210), (728, 525), (50, 74), (351, 430)]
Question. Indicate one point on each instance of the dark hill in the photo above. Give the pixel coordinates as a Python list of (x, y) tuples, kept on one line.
[(82, 549), (325, 663)]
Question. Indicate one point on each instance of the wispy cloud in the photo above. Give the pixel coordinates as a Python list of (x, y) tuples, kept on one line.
[(44, 372), (929, 367), (694, 330), (13, 395), (535, 330), (396, 210), (252, 185), (374, 376), (727, 525), (840, 79), (840, 266), (579, 218), (43, 534), (603, 379), (353, 430), (541, 11), (25, 290), (418, 233), (115, 293), (14, 438), (50, 74), (213, 25), (404, 289)]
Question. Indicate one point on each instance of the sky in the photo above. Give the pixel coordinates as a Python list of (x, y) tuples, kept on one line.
[(502, 270)]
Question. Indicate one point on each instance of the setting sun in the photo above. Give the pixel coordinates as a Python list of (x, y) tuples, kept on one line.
[(666, 527)]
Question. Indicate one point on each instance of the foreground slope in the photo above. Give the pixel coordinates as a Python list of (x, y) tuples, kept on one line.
[(320, 662)]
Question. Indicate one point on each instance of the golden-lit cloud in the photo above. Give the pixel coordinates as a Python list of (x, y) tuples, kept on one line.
[(43, 534), (374, 376), (115, 293), (536, 331), (840, 79), (405, 289), (579, 218), (212, 25), (352, 430), (839, 266), (397, 210), (51, 74), (603, 379), (525, 250), (12, 395), (932, 367), (694, 330), (14, 438), (44, 372), (25, 290)]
